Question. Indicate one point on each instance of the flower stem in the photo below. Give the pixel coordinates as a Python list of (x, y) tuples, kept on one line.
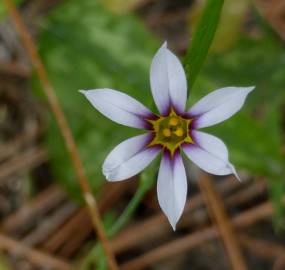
[(131, 208), (64, 128), (147, 181)]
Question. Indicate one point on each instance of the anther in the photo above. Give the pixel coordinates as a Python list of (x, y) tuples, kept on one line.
[(166, 132), (173, 121), (179, 132)]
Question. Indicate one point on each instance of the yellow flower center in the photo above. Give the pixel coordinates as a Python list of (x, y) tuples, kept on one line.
[(170, 131)]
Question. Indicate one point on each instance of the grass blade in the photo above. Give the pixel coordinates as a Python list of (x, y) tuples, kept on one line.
[(202, 39)]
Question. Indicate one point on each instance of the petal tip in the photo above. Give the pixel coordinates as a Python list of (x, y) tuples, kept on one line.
[(250, 88), (164, 45), (234, 172), (107, 173), (108, 177), (237, 176), (82, 91), (173, 225)]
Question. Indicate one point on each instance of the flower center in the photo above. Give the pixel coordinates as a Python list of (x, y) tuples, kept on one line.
[(170, 131)]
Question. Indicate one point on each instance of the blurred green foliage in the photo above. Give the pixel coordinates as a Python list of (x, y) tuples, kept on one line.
[(4, 265), (120, 6), (85, 47)]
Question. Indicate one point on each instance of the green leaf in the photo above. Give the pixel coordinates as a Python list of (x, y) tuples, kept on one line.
[(202, 40), (230, 25)]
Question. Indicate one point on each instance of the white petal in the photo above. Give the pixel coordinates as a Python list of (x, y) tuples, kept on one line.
[(172, 188), (118, 106), (129, 158), (210, 154), (168, 81), (219, 105)]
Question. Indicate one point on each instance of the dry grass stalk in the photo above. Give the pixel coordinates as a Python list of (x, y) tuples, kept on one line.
[(14, 69), (245, 219), (22, 163), (156, 226), (218, 214), (70, 237), (48, 225), (64, 128), (263, 248), (36, 257), (44, 202)]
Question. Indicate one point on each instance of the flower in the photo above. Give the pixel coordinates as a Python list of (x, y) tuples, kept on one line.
[(172, 132)]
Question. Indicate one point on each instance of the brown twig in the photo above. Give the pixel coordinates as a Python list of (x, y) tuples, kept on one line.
[(157, 225), (190, 241), (48, 225), (12, 147), (263, 248), (14, 69), (70, 237), (36, 257), (35, 209), (279, 264), (71, 227), (218, 214), (22, 163), (64, 128), (105, 202)]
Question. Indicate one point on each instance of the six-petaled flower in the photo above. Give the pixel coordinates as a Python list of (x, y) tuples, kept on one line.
[(171, 132)]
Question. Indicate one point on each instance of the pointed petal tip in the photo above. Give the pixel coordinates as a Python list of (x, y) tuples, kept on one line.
[(173, 225), (237, 176), (82, 91), (164, 45), (106, 176), (235, 172), (250, 88)]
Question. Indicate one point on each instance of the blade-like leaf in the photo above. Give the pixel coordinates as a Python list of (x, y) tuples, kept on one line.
[(202, 39)]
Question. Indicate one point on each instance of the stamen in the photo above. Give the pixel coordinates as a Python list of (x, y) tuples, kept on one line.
[(166, 132), (179, 132), (173, 121), (170, 131)]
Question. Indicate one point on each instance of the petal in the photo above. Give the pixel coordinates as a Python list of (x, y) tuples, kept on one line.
[(219, 105), (172, 188), (168, 81), (210, 154), (129, 158), (118, 106)]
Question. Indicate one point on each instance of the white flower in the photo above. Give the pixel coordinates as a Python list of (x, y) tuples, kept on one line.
[(171, 132)]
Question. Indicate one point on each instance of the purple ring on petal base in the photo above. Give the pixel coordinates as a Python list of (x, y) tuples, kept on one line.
[(170, 131)]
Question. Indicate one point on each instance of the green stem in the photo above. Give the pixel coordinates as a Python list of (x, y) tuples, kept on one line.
[(146, 183)]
